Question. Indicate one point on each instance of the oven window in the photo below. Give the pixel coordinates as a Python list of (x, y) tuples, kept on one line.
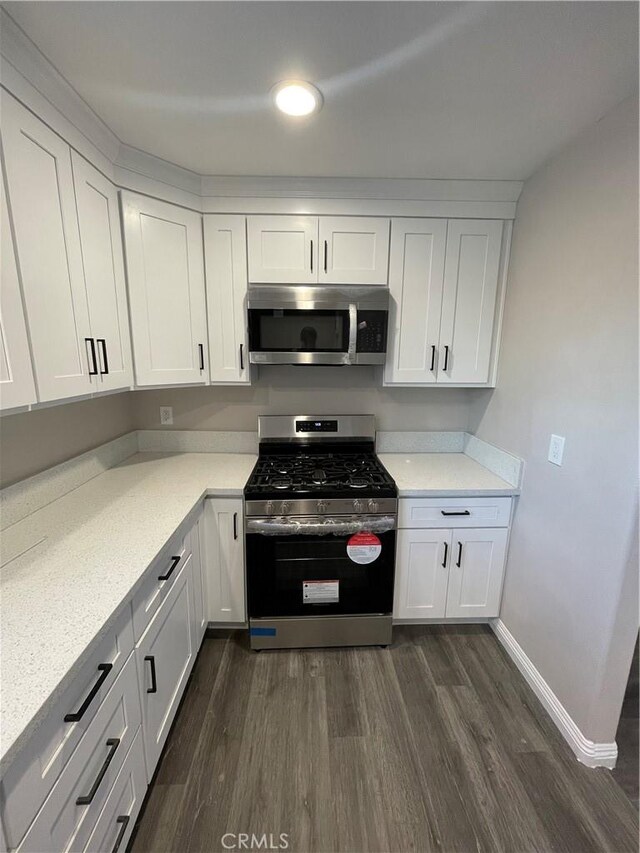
[(298, 331)]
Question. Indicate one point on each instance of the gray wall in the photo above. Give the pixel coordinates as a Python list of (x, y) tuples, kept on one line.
[(33, 441), (568, 366), (295, 390)]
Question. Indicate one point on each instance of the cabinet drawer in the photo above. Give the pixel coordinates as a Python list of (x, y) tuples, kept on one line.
[(29, 779), (454, 512), (157, 582), (115, 825), (71, 810)]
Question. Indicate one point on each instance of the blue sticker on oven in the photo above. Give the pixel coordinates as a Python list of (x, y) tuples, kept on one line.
[(262, 632)]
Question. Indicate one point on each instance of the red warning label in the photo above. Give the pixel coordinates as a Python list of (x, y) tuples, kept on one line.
[(364, 548)]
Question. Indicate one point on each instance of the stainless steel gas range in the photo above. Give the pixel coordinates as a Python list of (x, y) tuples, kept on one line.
[(320, 527)]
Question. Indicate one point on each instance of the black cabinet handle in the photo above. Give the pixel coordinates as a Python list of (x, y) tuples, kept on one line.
[(311, 255), (446, 358), (446, 551), (325, 255), (172, 568), (201, 350), (123, 820), (459, 560), (241, 356), (93, 367), (464, 512), (154, 683), (103, 347), (104, 669), (433, 358), (113, 743), (235, 525)]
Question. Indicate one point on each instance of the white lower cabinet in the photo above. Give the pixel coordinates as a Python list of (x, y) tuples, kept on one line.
[(113, 830), (165, 656), (224, 560), (455, 571), (198, 551)]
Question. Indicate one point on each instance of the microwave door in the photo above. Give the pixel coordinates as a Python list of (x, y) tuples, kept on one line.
[(301, 335)]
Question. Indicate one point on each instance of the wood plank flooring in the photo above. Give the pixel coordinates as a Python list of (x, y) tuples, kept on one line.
[(434, 744)]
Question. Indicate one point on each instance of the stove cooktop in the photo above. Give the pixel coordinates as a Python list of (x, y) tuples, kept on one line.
[(330, 475)]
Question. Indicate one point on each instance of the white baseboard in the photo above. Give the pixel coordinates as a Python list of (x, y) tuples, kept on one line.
[(586, 751)]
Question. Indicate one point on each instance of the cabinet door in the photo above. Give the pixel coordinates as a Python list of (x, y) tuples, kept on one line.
[(101, 246), (282, 249), (165, 270), (165, 656), (198, 551), (416, 277), (477, 569), (17, 387), (42, 205), (225, 252), (354, 250), (422, 573), (469, 301), (224, 567)]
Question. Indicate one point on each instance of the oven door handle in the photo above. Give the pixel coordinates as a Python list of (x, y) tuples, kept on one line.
[(320, 526)]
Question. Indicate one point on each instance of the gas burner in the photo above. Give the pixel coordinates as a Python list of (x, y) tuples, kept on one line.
[(281, 484), (283, 467), (319, 476), (358, 482)]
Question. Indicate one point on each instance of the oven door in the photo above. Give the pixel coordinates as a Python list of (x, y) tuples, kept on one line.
[(302, 335), (316, 567)]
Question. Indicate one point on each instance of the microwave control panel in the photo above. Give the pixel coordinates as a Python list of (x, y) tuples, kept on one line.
[(372, 331)]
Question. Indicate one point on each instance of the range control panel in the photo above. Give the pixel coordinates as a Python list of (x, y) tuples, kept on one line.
[(316, 426), (372, 331)]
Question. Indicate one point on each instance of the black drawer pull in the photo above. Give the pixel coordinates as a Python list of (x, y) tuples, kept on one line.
[(113, 743), (433, 358), (446, 551), (241, 356), (103, 346), (154, 683), (235, 525), (459, 560), (122, 819), (93, 368), (104, 669), (201, 351), (464, 512), (174, 563)]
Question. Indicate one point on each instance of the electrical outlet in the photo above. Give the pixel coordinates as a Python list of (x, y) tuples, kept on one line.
[(556, 449), (166, 415)]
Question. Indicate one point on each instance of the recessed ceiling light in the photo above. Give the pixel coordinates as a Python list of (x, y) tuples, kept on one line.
[(297, 98)]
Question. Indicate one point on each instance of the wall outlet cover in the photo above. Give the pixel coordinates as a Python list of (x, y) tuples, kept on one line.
[(166, 415), (556, 449)]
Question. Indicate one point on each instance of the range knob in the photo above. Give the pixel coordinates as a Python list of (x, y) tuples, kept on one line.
[(285, 506), (357, 506), (269, 508), (321, 506), (372, 506)]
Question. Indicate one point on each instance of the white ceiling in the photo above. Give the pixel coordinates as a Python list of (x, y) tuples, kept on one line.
[(417, 89)]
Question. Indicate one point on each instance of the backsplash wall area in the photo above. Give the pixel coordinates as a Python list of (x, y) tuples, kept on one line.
[(309, 390)]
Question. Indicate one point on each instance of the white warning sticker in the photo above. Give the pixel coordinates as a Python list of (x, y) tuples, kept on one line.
[(364, 548), (320, 592)]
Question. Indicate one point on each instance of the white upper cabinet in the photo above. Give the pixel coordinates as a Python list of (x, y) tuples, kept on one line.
[(312, 250), (226, 270), (282, 249), (469, 302), (101, 245), (17, 387), (444, 277), (354, 250), (42, 203), (165, 272), (416, 277)]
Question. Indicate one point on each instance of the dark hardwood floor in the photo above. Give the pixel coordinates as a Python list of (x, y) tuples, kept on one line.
[(435, 743), (626, 772)]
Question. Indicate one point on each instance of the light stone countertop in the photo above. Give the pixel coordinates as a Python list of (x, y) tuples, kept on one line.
[(69, 567), (443, 474)]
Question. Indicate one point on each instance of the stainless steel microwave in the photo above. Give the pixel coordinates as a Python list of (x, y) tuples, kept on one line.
[(292, 324)]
